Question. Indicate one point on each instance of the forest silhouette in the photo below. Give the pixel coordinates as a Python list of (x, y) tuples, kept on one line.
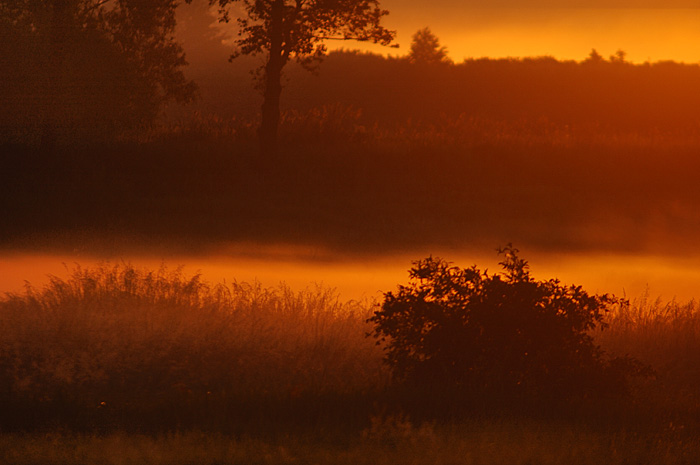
[(611, 94)]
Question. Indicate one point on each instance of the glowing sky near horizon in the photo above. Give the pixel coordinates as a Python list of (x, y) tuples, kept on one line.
[(598, 272), (566, 30)]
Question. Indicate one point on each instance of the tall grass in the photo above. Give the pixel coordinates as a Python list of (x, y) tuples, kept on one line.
[(118, 345), (334, 124), (471, 443), (665, 335)]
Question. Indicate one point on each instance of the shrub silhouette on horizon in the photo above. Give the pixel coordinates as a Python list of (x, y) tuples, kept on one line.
[(426, 48), (501, 335)]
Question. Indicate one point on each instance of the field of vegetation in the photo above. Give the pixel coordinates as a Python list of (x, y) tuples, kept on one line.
[(124, 365), (359, 189)]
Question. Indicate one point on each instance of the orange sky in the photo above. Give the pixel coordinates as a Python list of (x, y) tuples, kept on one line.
[(654, 30), (646, 34)]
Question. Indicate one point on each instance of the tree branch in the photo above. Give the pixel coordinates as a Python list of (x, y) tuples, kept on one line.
[(96, 6), (359, 39)]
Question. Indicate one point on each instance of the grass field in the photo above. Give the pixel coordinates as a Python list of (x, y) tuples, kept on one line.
[(470, 443), (355, 188), (119, 365)]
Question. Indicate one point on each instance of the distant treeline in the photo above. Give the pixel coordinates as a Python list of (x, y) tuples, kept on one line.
[(615, 93)]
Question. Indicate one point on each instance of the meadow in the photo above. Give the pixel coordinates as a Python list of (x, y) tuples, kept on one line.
[(123, 365), (355, 188)]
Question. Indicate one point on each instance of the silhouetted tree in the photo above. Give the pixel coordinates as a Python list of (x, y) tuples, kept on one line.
[(594, 57), (286, 29), (620, 56), (426, 48), (89, 65), (503, 334)]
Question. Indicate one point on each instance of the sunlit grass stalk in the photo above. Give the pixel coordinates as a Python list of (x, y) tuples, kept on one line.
[(666, 336)]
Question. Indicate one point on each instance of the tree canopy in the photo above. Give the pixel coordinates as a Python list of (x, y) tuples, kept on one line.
[(305, 25), (79, 68), (426, 48), (297, 29)]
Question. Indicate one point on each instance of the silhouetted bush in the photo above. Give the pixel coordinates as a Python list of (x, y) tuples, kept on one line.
[(498, 337)]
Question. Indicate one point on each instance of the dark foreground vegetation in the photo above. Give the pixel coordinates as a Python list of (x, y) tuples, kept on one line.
[(387, 443), (119, 364), (503, 340)]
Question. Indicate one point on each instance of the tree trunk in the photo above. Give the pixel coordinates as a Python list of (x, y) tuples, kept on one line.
[(273, 82), (54, 99)]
